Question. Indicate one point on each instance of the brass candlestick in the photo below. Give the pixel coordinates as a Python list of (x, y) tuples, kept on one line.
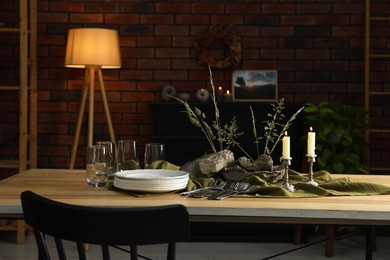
[(286, 185), (311, 160)]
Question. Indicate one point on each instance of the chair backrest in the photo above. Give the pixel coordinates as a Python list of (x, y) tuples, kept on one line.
[(105, 225)]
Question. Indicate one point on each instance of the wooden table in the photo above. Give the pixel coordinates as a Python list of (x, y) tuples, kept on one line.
[(69, 186)]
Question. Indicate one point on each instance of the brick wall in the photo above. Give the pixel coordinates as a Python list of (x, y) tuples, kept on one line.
[(316, 46)]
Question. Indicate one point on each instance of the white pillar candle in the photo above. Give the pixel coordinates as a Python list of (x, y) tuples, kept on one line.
[(311, 141), (286, 146)]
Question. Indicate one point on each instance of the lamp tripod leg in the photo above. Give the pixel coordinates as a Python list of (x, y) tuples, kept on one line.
[(106, 108), (91, 104), (79, 121)]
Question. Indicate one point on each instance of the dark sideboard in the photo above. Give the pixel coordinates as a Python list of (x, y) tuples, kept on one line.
[(186, 142)]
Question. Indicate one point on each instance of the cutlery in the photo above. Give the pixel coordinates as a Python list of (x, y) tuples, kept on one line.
[(208, 192), (239, 187), (217, 186)]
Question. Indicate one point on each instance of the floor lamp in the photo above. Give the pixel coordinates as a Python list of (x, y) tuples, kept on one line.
[(92, 49)]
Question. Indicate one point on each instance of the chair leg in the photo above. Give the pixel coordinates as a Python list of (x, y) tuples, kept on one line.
[(81, 251), (60, 248), (171, 251), (330, 232), (105, 252), (20, 232), (133, 252), (43, 253), (373, 237)]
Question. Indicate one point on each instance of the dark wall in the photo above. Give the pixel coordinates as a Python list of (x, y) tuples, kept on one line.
[(316, 47)]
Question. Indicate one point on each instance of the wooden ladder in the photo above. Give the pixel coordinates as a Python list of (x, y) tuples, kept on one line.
[(27, 90)]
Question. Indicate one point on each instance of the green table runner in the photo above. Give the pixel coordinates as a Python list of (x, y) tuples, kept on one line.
[(327, 187)]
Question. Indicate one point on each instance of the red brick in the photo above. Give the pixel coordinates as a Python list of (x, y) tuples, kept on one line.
[(172, 30), (260, 42), (277, 54), (154, 64), (297, 20), (243, 9), (331, 65), (154, 41), (156, 19), (347, 31), (192, 19), (172, 8), (67, 7), (172, 53), (171, 75), (312, 54), (86, 18), (277, 31), (332, 20), (102, 7), (317, 8), (121, 18), (223, 19), (278, 8), (201, 8), (183, 41), (53, 17), (186, 64)]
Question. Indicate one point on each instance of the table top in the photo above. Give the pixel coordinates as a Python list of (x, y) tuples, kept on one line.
[(69, 186)]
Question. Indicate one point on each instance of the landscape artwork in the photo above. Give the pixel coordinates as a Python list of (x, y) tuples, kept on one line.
[(255, 85)]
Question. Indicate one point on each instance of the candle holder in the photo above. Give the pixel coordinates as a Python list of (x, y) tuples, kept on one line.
[(311, 160), (286, 185)]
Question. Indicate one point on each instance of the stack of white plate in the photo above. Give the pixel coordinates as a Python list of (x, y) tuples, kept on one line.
[(151, 180)]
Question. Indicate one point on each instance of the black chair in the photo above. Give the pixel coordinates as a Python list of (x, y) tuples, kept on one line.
[(105, 226)]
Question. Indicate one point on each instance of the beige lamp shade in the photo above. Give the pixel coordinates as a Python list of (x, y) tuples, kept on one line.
[(92, 47)]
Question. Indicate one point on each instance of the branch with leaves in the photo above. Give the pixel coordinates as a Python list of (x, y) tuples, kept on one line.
[(272, 134), (227, 135)]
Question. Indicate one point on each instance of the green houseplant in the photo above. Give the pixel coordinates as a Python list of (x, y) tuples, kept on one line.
[(340, 146)]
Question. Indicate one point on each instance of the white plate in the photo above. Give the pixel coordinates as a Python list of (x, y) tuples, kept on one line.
[(150, 174), (151, 182), (153, 189)]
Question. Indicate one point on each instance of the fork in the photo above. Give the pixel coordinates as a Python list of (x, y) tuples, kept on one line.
[(217, 186), (208, 192), (239, 187)]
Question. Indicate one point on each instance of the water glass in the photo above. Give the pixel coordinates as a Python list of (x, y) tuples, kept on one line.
[(111, 164), (127, 157), (154, 155), (96, 165)]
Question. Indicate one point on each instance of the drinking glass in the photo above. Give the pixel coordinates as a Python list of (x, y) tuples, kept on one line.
[(111, 163), (96, 165), (127, 158), (154, 155)]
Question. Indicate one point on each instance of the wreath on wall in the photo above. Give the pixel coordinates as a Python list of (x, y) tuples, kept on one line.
[(223, 33)]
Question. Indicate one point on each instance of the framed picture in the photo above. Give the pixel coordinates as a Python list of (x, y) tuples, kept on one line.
[(255, 85)]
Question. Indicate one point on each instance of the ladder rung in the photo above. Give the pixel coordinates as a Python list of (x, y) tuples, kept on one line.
[(9, 164), (380, 18), (379, 130), (380, 55), (378, 93), (9, 30), (9, 87)]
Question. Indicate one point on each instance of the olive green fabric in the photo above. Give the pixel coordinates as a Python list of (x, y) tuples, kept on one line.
[(327, 187)]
